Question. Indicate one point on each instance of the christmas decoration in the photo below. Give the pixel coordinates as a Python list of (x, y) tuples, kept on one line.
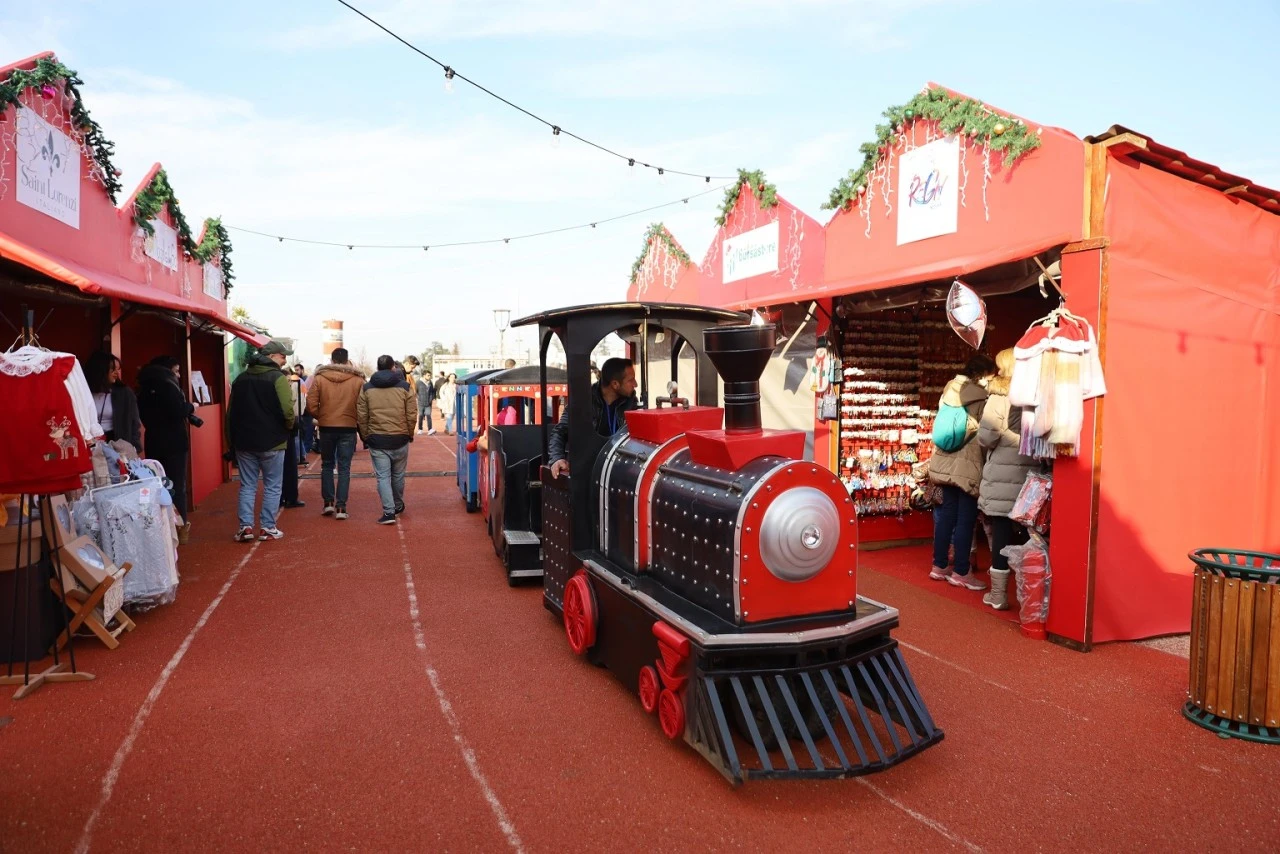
[(216, 244), (50, 76), (953, 115), (658, 232), (155, 197), (755, 182)]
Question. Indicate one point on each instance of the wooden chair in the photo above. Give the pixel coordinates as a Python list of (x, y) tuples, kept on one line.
[(93, 590)]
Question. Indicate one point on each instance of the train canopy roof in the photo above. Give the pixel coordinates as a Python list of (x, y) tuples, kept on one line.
[(656, 311)]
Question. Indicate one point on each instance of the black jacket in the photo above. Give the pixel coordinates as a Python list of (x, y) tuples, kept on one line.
[(164, 410), (607, 420), (125, 420), (426, 391)]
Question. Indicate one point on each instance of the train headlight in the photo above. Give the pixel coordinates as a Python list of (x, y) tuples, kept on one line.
[(799, 534)]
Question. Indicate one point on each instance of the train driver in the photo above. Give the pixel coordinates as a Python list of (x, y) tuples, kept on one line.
[(613, 395)]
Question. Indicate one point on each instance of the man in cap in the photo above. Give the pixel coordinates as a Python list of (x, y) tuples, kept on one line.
[(260, 420)]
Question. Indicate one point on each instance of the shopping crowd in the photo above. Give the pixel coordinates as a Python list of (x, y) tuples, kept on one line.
[(278, 414)]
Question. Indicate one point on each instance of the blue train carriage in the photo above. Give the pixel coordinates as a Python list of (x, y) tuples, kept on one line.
[(712, 569), (466, 427), (513, 406)]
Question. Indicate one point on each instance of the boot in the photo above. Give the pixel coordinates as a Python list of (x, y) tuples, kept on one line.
[(998, 596), (184, 533)]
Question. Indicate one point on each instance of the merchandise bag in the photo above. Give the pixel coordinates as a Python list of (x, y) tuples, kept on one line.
[(1030, 565), (1031, 508), (138, 528)]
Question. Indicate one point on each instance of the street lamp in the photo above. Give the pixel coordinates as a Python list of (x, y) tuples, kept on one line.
[(501, 319)]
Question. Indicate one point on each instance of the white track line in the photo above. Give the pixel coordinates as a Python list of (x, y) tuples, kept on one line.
[(992, 682), (935, 826), (446, 708), (140, 719)]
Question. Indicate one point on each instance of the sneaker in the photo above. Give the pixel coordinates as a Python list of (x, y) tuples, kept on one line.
[(291, 505), (244, 535), (939, 574), (341, 512), (329, 508), (431, 432), (419, 433), (270, 534), (966, 581), (399, 509), (387, 519)]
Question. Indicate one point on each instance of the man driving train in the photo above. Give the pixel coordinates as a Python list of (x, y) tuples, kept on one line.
[(611, 397)]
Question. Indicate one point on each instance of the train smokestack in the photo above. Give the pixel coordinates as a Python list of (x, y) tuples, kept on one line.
[(740, 354)]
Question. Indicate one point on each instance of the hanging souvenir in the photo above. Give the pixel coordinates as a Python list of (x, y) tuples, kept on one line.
[(821, 377), (967, 313)]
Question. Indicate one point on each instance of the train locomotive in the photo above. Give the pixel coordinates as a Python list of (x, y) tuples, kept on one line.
[(706, 564)]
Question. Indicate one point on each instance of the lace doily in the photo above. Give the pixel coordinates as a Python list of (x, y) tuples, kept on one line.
[(26, 361)]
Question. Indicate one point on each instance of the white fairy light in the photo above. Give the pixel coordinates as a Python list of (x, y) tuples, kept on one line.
[(448, 80)]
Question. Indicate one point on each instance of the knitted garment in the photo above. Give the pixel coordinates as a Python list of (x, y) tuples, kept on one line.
[(1056, 369), (44, 441)]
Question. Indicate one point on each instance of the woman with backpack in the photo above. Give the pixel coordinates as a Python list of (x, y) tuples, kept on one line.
[(956, 466), (1002, 476)]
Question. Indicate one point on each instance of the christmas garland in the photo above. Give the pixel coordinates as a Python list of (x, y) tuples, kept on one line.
[(154, 198), (216, 243), (658, 231), (953, 115), (755, 182), (46, 76)]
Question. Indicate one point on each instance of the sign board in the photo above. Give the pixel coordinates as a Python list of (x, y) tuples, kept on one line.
[(162, 245), (48, 169), (928, 190), (751, 253), (199, 388), (213, 280)]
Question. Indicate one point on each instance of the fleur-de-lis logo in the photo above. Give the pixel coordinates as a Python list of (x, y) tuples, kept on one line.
[(49, 155)]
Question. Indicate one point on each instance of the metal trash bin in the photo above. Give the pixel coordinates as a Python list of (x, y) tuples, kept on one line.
[(1235, 644)]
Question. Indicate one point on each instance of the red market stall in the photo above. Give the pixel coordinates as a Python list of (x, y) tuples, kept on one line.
[(663, 271), (1171, 261), (134, 279)]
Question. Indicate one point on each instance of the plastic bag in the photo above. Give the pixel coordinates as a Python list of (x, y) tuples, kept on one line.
[(1031, 508), (1030, 565)]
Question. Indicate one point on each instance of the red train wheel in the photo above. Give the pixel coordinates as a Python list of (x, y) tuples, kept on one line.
[(649, 688), (579, 613), (671, 713)]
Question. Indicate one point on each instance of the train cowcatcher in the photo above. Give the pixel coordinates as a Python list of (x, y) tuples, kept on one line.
[(712, 569)]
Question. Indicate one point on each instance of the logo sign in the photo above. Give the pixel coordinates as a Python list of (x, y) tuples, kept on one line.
[(162, 245), (928, 194), (213, 280), (48, 169), (751, 253)]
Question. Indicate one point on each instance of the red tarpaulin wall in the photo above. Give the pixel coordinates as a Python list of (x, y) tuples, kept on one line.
[(1192, 413)]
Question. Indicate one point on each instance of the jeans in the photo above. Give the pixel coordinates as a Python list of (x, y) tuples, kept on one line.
[(270, 466), (953, 523), (390, 466), (336, 448), (424, 411), (306, 436), (289, 481)]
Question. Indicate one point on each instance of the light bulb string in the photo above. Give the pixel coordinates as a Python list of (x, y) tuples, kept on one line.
[(426, 246), (453, 73)]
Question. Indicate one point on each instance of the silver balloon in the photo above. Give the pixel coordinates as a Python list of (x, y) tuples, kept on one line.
[(967, 313)]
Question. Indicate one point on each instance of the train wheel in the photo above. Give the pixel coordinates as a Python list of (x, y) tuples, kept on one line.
[(671, 713), (580, 613), (649, 689)]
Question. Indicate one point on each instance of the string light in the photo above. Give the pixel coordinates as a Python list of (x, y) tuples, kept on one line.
[(662, 177), (555, 136), (450, 73), (505, 240)]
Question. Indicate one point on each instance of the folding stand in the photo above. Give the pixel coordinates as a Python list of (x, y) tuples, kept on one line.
[(57, 672)]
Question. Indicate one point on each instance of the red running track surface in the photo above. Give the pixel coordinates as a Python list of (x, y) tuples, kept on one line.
[(306, 713)]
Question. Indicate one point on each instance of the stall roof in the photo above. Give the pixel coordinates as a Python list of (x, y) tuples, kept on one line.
[(1123, 142), (100, 283)]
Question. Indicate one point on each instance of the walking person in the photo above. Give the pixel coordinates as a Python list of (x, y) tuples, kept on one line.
[(448, 402), (289, 486), (385, 413), (959, 473), (426, 392), (165, 413), (1002, 475), (259, 428), (306, 424), (335, 388)]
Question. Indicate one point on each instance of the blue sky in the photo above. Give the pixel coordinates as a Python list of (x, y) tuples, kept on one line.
[(299, 118)]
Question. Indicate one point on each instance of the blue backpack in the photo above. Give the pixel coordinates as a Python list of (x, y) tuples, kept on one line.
[(950, 428)]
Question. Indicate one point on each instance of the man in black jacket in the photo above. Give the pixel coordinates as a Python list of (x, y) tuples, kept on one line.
[(611, 397), (259, 428)]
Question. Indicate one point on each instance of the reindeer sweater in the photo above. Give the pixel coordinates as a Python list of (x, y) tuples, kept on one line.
[(50, 415)]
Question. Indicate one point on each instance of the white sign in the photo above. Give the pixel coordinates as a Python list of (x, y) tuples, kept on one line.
[(199, 388), (48, 169), (162, 244), (928, 190), (213, 280), (751, 253)]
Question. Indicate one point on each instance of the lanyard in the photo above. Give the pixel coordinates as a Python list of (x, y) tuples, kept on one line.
[(611, 415)]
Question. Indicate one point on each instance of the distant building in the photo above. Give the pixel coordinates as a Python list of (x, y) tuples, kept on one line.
[(463, 365)]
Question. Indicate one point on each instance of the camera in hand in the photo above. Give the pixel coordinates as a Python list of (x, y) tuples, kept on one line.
[(195, 420)]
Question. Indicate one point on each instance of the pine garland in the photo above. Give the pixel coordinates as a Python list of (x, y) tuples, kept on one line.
[(755, 182), (216, 244), (154, 198), (658, 231), (953, 115), (50, 72)]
